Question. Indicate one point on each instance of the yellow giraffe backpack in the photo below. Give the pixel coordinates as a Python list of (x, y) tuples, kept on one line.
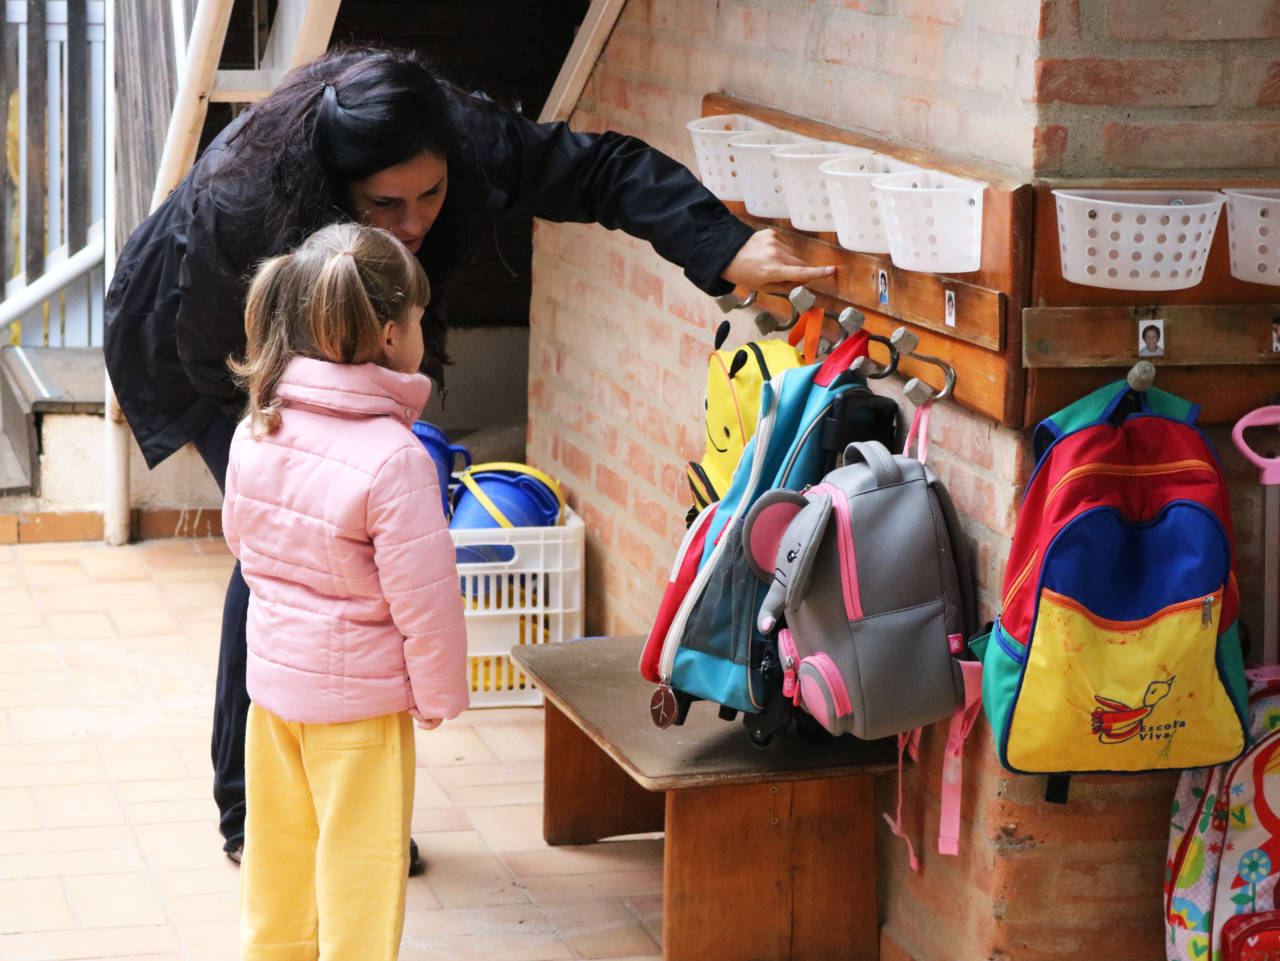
[(735, 377)]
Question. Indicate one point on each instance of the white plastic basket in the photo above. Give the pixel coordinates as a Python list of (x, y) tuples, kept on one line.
[(1253, 226), (760, 173), (1136, 239), (711, 136), (805, 187), (934, 221), (855, 206), (532, 597)]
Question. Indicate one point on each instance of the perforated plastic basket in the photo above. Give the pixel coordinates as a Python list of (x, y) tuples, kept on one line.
[(711, 136), (760, 172), (855, 206), (530, 592), (805, 186), (1136, 239), (934, 221), (1253, 227)]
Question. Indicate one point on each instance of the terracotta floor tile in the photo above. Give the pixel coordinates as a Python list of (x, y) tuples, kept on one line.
[(48, 840), (142, 760), (39, 697), (23, 635), (600, 929), (173, 789), (98, 944), (419, 897), (35, 658), (649, 911), (88, 626), (115, 900), (514, 948), (511, 828), (472, 881), (500, 715), (34, 775), (152, 622), (38, 573), (188, 908), (110, 686), (583, 887), (448, 844), (443, 819), (70, 863), (193, 593), (77, 806), (40, 725), (512, 742), (171, 847), (446, 746), (57, 753), (604, 858), (195, 755), (34, 681), (222, 879), (115, 565), (465, 775), (427, 795), (101, 600), (37, 904), (16, 601), (171, 812), (497, 921), (18, 810), (495, 795), (210, 940)]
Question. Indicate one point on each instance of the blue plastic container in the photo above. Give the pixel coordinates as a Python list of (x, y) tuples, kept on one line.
[(444, 454), (524, 500)]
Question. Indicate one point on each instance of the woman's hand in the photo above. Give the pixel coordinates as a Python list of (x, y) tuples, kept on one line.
[(766, 263)]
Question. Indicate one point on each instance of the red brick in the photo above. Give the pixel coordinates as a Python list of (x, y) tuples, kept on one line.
[(611, 484), (641, 463), (739, 24), (652, 102), (539, 393), (1193, 20), (640, 371), (965, 435), (1060, 20), (912, 53), (1049, 148), (653, 423), (1016, 826), (789, 32), (616, 400), (681, 396), (849, 43), (693, 352), (652, 514), (627, 49), (639, 553), (675, 482), (601, 432), (1116, 82), (693, 307), (927, 122), (691, 443), (1256, 83), (669, 60), (612, 90), (878, 7), (932, 11), (577, 375), (1191, 145), (575, 460), (599, 523)]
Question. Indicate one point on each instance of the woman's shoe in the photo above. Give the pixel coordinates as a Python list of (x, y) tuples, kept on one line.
[(237, 852), (417, 866)]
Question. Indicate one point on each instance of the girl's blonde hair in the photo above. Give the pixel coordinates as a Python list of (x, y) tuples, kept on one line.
[(328, 301)]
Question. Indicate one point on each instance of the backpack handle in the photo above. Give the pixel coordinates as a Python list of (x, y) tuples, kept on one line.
[(876, 456), (1270, 466)]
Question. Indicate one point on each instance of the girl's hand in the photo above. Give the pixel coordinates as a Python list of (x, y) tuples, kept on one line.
[(430, 723), (766, 263)]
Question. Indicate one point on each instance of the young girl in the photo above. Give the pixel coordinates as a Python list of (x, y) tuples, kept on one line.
[(355, 623)]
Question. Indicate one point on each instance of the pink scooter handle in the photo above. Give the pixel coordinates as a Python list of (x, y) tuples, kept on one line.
[(1270, 466)]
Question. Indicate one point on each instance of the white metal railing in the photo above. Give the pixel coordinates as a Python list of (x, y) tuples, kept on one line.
[(54, 274)]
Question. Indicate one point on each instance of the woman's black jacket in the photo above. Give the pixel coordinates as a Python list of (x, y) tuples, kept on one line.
[(175, 310)]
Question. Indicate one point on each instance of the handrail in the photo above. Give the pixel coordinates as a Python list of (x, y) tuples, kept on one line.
[(29, 296)]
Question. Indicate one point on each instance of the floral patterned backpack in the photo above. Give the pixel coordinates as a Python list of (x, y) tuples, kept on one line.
[(1224, 846)]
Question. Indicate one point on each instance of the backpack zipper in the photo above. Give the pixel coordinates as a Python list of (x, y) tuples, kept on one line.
[(1127, 470), (1206, 611), (699, 522)]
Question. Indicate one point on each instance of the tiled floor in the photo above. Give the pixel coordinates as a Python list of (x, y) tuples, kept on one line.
[(108, 839)]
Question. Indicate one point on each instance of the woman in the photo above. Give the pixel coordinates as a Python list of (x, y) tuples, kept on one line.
[(370, 135)]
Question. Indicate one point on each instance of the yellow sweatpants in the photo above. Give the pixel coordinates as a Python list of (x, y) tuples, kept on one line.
[(326, 840)]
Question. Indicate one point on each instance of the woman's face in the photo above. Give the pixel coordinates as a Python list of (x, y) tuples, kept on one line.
[(403, 200)]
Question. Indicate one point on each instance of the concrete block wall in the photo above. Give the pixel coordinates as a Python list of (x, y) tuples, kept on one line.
[(619, 339)]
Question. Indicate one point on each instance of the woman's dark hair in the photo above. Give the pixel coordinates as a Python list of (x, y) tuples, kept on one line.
[(287, 167)]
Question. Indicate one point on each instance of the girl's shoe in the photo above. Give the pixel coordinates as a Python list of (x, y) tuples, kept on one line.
[(417, 866)]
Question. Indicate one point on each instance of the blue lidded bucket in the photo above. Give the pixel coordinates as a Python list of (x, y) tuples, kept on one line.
[(500, 495), (443, 453)]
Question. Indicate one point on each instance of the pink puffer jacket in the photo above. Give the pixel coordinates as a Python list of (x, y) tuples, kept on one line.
[(356, 609)]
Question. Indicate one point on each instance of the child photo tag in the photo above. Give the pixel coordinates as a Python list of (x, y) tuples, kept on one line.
[(1151, 338)]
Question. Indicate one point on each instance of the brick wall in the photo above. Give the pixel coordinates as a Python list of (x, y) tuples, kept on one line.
[(618, 363), (1184, 86)]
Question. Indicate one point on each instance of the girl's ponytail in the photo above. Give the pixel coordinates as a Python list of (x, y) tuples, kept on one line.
[(328, 301)]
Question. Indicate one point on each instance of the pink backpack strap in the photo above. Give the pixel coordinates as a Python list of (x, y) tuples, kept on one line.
[(962, 722), (919, 431), (909, 741)]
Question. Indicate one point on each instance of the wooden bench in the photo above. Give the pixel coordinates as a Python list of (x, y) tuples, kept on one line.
[(770, 852)]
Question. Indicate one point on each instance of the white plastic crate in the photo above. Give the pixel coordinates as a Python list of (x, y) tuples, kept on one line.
[(759, 171), (535, 597), (855, 205), (805, 186), (934, 221), (1136, 239), (1253, 226), (716, 165)]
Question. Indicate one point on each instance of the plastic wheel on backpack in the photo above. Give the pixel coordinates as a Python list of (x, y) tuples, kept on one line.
[(760, 738)]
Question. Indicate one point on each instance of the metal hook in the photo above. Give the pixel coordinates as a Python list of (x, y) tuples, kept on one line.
[(729, 302), (917, 391), (800, 299), (1141, 376)]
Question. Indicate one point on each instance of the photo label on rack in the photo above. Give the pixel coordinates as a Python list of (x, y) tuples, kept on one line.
[(882, 284), (950, 317), (1151, 341)]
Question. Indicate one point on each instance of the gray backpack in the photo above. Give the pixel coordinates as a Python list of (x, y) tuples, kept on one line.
[(874, 577)]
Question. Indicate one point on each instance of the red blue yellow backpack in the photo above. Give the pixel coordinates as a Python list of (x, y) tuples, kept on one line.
[(1116, 647)]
